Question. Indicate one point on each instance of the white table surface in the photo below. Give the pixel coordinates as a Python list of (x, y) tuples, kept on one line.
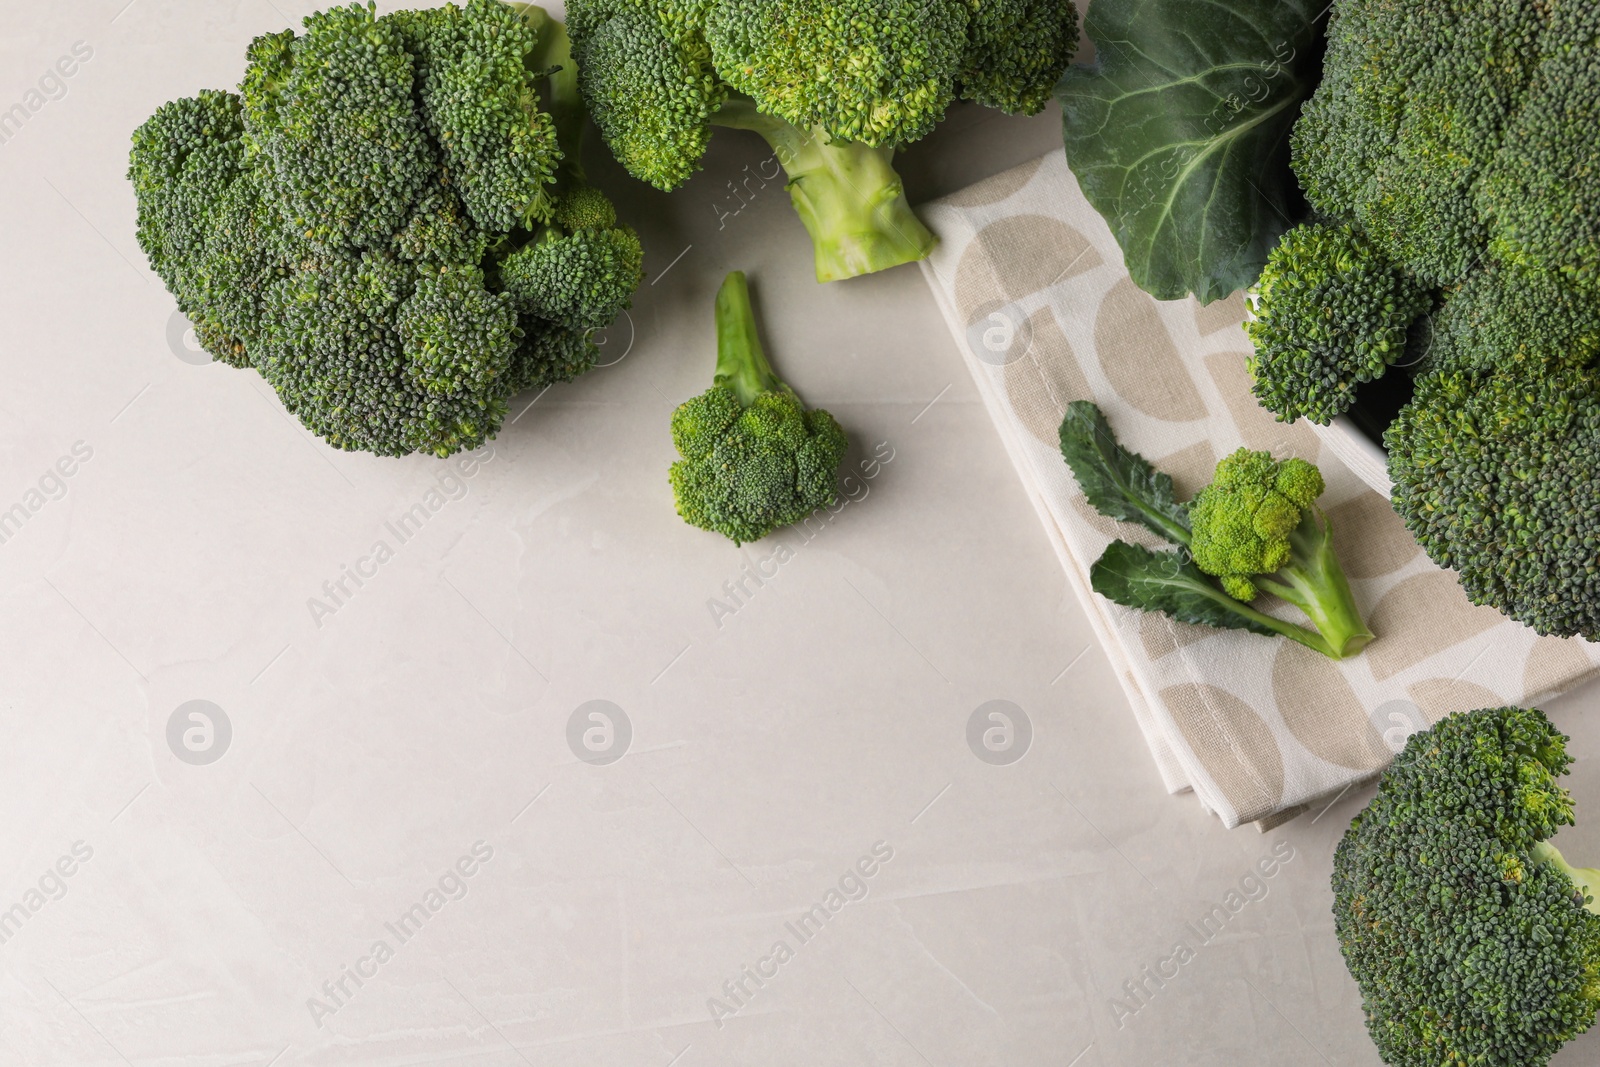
[(771, 749)]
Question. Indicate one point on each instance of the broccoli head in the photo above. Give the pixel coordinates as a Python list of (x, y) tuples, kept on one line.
[(754, 458), (386, 224), (1330, 313), (1257, 530), (834, 87), (1471, 938), (1496, 459)]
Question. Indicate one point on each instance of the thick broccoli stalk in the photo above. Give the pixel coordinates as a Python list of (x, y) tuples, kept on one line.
[(386, 224), (835, 86), (1472, 940), (1330, 314), (754, 458), (847, 193), (1255, 529)]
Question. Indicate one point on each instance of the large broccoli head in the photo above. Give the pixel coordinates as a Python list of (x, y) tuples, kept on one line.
[(1456, 139), (833, 86), (1466, 931), (1496, 460), (754, 458), (344, 223)]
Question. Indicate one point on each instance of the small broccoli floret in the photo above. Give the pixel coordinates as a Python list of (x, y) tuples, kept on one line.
[(1331, 313), (754, 458), (647, 75), (581, 269), (332, 113), (833, 87), (1471, 938), (1017, 50), (500, 155), (1257, 529), (1254, 529), (385, 223), (580, 280)]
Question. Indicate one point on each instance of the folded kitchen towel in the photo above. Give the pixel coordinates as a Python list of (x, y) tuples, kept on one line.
[(1034, 289)]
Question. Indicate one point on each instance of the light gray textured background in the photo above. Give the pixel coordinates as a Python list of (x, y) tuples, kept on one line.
[(430, 713)]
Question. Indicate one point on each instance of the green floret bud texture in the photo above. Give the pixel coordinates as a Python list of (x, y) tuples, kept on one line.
[(1331, 313), (580, 281), (1497, 475), (647, 75), (874, 71), (1455, 139), (1466, 931), (770, 466), (344, 223), (1017, 50), (1243, 520)]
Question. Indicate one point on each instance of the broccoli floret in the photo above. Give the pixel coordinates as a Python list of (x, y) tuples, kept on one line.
[(581, 270), (386, 225), (1017, 51), (548, 354), (1330, 313), (1256, 528), (754, 457), (890, 89), (1471, 938), (834, 88), (499, 152), (332, 114)]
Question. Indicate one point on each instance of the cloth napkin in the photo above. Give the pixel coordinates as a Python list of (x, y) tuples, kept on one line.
[(1034, 289)]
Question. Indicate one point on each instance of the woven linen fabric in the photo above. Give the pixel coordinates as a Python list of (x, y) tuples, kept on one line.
[(1034, 289)]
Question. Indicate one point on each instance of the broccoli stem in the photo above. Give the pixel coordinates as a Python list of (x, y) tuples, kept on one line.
[(848, 195), (741, 361), (1314, 582), (1587, 879)]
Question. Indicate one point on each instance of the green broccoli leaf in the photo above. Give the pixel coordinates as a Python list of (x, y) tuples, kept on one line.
[(1118, 483), (1169, 582), (1179, 135)]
